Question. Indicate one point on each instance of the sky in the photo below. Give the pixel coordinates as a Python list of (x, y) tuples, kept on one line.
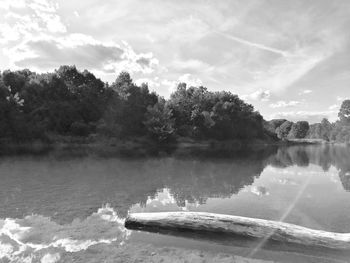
[(289, 58)]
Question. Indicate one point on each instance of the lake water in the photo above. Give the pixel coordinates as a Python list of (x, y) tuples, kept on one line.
[(59, 207)]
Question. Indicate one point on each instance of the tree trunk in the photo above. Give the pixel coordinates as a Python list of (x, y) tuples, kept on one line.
[(244, 226)]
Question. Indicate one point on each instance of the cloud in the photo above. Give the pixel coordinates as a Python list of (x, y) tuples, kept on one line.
[(7, 4), (284, 104), (83, 51), (195, 28), (306, 91), (29, 18), (259, 95), (341, 98), (191, 65), (259, 190), (190, 80), (334, 107), (165, 86), (34, 36), (152, 83)]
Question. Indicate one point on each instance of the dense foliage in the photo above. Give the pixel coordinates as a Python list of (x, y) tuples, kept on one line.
[(338, 131), (202, 114), (72, 102)]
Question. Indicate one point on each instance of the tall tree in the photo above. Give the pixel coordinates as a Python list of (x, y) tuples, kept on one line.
[(344, 112), (134, 101)]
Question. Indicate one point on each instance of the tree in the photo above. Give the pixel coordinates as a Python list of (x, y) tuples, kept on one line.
[(298, 130), (69, 101), (89, 93), (134, 101), (326, 129), (272, 125), (344, 112), (283, 131), (340, 132), (187, 105), (219, 115), (15, 80), (159, 121)]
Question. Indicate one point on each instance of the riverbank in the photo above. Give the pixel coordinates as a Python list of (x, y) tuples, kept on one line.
[(139, 146)]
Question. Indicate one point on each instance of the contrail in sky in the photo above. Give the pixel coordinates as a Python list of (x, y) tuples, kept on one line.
[(256, 45)]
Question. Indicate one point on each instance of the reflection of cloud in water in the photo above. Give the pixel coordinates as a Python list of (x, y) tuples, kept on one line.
[(163, 197), (164, 200), (259, 190), (36, 237), (50, 258), (287, 181)]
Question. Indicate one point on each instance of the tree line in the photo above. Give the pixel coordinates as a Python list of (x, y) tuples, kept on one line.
[(70, 102), (339, 131)]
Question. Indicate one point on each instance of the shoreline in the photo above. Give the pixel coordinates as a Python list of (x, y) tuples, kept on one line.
[(143, 146)]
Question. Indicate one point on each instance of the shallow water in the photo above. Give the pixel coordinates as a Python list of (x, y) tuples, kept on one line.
[(59, 208)]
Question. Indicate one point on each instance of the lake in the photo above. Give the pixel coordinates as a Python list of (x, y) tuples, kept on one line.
[(64, 207)]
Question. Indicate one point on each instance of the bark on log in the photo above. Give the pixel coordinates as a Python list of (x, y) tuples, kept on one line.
[(244, 226)]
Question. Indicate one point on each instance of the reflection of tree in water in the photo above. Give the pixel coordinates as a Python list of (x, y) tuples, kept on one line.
[(75, 188), (196, 181), (322, 155)]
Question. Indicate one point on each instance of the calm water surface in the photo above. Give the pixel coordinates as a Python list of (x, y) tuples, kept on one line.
[(59, 208)]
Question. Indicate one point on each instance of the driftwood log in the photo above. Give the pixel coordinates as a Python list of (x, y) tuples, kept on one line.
[(236, 225)]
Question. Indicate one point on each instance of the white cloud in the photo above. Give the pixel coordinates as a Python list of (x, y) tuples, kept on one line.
[(284, 104), (7, 4), (339, 98), (259, 190), (28, 19), (53, 22), (133, 62), (170, 86), (47, 53), (334, 107), (190, 80), (152, 83), (194, 65), (306, 91), (33, 36), (259, 95), (185, 29), (50, 258)]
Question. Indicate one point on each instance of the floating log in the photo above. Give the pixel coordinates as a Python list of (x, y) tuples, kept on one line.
[(237, 225)]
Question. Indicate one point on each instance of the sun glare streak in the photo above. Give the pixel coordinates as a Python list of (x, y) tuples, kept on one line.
[(283, 217)]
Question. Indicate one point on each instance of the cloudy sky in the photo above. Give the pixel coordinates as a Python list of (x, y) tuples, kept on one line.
[(288, 58)]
